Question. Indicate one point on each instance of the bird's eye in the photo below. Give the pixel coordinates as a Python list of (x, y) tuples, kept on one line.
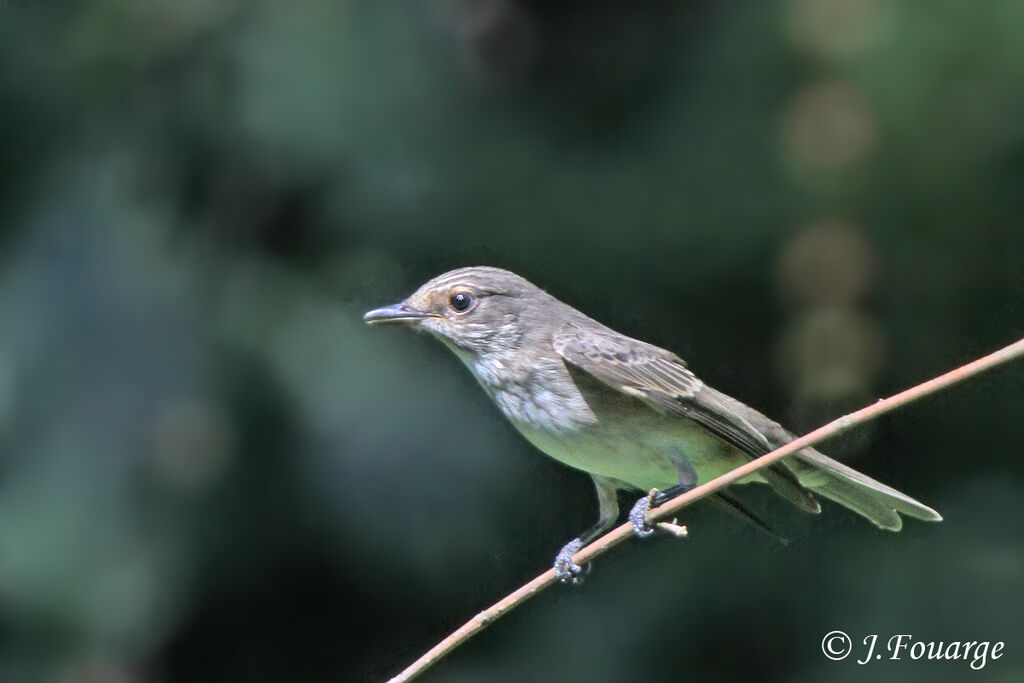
[(461, 301)]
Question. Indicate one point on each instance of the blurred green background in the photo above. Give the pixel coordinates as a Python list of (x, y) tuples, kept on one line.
[(211, 470)]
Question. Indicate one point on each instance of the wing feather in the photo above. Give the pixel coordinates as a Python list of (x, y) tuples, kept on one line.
[(659, 378), (662, 380)]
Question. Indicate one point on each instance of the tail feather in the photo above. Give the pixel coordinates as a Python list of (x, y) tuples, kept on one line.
[(872, 499), (820, 474), (862, 503), (787, 485), (735, 506)]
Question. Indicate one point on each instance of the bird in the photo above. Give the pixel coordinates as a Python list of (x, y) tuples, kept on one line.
[(630, 414)]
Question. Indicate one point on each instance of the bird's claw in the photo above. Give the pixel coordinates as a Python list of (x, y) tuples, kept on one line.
[(566, 570), (638, 516)]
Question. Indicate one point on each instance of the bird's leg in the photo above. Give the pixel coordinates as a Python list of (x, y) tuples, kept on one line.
[(638, 515), (568, 571), (662, 497)]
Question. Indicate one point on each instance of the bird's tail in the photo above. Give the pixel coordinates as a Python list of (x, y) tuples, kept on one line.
[(869, 498)]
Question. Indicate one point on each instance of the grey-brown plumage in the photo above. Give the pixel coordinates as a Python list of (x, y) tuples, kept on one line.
[(631, 414)]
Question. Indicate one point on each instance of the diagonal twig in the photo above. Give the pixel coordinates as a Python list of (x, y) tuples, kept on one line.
[(625, 531)]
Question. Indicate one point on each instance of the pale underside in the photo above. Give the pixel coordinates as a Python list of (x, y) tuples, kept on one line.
[(651, 452), (608, 433)]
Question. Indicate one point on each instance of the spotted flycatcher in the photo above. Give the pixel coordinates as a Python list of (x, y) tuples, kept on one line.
[(630, 414)]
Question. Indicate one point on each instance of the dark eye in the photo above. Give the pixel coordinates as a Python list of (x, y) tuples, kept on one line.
[(461, 301)]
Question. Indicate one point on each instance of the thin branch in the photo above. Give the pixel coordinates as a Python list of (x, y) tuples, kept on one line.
[(621, 533)]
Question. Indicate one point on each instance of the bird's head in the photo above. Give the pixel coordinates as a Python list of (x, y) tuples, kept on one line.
[(477, 311)]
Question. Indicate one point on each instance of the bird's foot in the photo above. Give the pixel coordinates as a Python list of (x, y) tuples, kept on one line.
[(642, 526), (638, 515), (566, 570)]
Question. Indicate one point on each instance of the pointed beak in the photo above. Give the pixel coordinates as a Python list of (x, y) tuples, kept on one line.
[(396, 313)]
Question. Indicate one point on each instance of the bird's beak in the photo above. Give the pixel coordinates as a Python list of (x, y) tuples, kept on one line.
[(396, 313)]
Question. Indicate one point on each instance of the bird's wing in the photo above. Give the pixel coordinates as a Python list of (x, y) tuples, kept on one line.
[(658, 378), (661, 379)]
